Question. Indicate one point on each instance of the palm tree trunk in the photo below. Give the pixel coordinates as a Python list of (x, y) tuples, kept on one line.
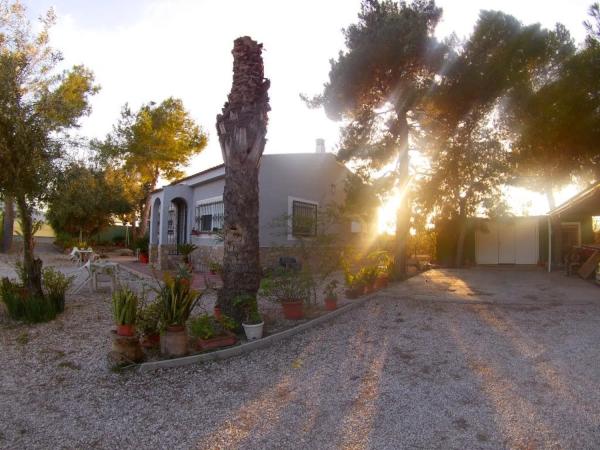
[(8, 224), (242, 129)]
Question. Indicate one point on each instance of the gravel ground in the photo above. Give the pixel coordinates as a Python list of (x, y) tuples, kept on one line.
[(481, 358)]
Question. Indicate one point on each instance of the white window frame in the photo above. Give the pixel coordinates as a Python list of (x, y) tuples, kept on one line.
[(290, 226), (205, 201)]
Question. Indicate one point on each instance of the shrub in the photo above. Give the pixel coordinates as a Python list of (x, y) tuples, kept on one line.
[(207, 327), (282, 285), (124, 306), (21, 306), (148, 318), (55, 285)]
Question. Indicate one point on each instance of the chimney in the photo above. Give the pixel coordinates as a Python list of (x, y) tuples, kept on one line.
[(320, 146)]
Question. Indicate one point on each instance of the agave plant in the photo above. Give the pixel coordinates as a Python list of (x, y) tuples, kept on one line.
[(177, 299), (124, 306)]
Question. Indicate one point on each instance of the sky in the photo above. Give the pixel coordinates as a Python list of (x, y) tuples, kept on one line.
[(148, 50)]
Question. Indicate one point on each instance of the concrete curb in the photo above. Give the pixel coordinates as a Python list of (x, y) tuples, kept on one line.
[(250, 346)]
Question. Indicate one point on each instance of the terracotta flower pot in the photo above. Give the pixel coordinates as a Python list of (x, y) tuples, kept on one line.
[(293, 309), (225, 340), (143, 258), (330, 304), (151, 341), (175, 341), (126, 330), (217, 312), (381, 282)]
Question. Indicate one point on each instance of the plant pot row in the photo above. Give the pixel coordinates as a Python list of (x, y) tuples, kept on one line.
[(380, 283)]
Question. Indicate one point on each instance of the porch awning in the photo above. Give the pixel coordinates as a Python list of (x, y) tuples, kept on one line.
[(586, 203)]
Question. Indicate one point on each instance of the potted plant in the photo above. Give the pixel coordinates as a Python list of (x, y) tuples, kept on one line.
[(289, 288), (253, 324), (368, 275), (142, 245), (211, 333), (124, 309), (177, 300), (148, 324), (331, 295), (215, 268), (186, 250), (354, 285)]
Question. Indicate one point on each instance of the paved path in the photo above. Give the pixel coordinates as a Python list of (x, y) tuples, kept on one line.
[(482, 358)]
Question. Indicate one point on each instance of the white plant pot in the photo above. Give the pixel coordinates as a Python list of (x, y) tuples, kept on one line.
[(253, 332)]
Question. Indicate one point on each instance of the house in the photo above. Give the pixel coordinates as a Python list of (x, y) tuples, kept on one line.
[(291, 187), (575, 224)]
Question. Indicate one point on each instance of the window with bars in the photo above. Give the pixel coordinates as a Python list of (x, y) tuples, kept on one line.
[(210, 217), (304, 219)]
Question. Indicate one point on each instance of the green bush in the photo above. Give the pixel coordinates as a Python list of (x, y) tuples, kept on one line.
[(55, 286), (21, 306), (148, 318), (206, 327)]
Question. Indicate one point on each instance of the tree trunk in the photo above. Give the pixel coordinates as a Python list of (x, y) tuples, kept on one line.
[(403, 213), (32, 266), (144, 216), (8, 225), (242, 128), (460, 242)]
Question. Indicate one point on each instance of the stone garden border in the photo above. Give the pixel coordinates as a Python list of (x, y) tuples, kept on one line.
[(250, 346)]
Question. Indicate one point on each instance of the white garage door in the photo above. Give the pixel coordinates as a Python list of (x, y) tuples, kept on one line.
[(514, 242)]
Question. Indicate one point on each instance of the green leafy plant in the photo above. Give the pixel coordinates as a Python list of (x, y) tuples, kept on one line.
[(284, 285), (177, 299), (330, 289), (215, 267), (207, 327), (55, 285), (186, 250), (124, 306), (22, 306), (368, 275), (148, 318), (249, 306), (142, 244)]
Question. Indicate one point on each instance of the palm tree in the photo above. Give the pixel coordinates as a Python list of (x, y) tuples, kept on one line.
[(242, 128)]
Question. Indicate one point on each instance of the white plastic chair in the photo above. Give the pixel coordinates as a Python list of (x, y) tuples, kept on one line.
[(86, 273), (75, 256)]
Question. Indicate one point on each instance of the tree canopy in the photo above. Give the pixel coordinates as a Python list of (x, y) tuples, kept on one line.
[(155, 142), (376, 86), (85, 201), (37, 108)]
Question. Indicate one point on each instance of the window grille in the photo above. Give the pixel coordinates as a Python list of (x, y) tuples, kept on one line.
[(304, 219), (210, 217)]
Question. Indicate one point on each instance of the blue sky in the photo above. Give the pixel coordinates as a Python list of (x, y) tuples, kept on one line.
[(149, 50)]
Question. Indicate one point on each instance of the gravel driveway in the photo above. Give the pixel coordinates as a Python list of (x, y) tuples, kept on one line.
[(480, 358)]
